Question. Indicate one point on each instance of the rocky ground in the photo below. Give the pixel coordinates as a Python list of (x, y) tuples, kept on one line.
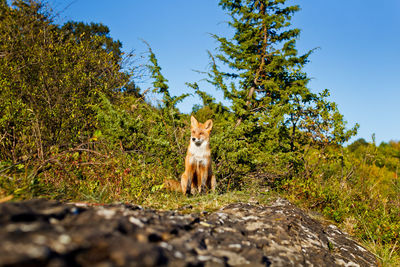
[(46, 233)]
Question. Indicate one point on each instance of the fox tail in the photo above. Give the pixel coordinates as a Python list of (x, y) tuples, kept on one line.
[(172, 185)]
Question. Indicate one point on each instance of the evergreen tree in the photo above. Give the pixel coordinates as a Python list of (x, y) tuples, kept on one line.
[(266, 72), (262, 52), (275, 113), (160, 84)]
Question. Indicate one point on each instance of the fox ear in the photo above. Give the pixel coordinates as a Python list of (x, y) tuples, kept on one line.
[(208, 125), (194, 122)]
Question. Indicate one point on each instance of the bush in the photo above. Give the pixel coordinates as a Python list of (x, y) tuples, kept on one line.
[(356, 187), (50, 81)]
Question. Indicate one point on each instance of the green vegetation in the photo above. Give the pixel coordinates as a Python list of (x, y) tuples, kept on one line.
[(358, 188), (74, 125)]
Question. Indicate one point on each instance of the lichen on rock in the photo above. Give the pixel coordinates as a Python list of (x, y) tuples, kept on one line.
[(48, 233)]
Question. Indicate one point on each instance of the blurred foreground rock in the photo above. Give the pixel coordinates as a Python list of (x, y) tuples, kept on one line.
[(46, 233)]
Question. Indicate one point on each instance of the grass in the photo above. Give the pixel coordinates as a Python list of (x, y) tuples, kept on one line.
[(388, 255), (129, 181), (164, 200)]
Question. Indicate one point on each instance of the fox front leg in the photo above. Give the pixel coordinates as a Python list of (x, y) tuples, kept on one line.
[(186, 182), (204, 176)]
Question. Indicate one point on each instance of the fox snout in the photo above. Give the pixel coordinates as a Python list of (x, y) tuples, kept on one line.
[(197, 141)]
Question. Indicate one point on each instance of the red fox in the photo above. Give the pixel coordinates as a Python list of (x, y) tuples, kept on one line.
[(198, 174)]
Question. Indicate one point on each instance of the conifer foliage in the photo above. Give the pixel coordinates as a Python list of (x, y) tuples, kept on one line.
[(263, 77)]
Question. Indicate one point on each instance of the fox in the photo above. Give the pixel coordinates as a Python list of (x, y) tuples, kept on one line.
[(198, 165), (198, 175), (172, 185)]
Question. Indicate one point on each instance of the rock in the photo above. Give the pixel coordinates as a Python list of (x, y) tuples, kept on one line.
[(49, 233)]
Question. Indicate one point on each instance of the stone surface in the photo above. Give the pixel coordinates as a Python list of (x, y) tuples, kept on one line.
[(47, 233)]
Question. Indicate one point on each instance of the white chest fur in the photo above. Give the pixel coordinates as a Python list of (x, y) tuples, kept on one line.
[(199, 154)]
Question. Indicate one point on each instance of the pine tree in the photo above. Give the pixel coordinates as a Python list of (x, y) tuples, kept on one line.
[(160, 83), (265, 68), (275, 113), (261, 52)]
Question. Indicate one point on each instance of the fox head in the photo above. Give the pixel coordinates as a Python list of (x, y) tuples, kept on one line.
[(200, 132)]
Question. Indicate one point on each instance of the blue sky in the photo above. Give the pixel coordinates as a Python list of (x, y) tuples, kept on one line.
[(357, 60)]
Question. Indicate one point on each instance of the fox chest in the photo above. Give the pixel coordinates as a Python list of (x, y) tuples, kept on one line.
[(199, 155)]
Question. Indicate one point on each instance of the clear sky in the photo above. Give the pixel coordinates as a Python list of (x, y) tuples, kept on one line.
[(358, 59)]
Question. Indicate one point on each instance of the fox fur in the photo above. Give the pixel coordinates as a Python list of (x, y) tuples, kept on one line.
[(198, 175)]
